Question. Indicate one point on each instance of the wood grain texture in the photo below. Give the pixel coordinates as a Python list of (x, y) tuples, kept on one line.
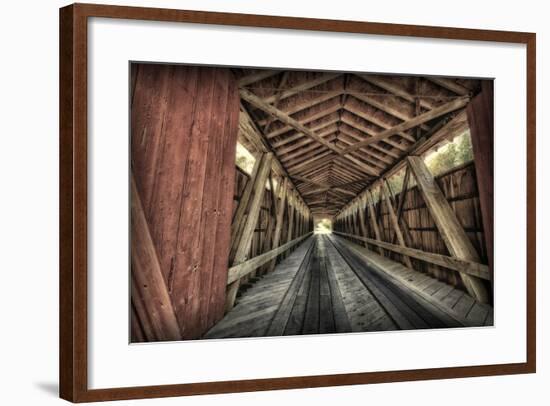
[(451, 230), (481, 120), (468, 267), (184, 124), (150, 294)]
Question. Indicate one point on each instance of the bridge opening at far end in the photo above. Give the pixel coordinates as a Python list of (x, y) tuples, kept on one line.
[(322, 225)]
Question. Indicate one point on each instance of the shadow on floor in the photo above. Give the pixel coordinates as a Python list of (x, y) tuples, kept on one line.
[(50, 388)]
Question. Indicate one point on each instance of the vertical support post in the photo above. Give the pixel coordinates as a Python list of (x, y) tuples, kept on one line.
[(292, 211), (480, 113), (362, 222), (279, 222), (245, 237), (454, 236), (385, 195), (240, 214), (374, 223), (403, 194)]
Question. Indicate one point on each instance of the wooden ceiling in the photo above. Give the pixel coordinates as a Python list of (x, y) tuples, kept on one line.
[(335, 133)]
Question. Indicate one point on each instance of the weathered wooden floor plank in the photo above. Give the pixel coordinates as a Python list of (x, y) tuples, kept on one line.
[(331, 285), (444, 300), (260, 295)]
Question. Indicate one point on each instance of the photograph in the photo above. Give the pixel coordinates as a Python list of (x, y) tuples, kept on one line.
[(270, 202)]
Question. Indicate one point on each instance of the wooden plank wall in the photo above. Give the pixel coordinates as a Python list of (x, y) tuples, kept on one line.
[(481, 121), (460, 188), (262, 240), (184, 125)]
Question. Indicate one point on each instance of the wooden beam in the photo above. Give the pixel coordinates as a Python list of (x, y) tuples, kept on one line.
[(329, 129), (430, 115), (148, 283), (322, 186), (373, 219), (454, 236), (308, 103), (273, 194), (307, 180), (373, 157), (385, 108), (256, 101), (279, 220), (253, 210), (449, 84), (238, 221), (395, 90), (387, 156), (403, 195), (314, 116), (335, 196), (304, 86), (256, 77), (385, 195), (469, 268), (481, 121), (367, 131), (354, 182), (444, 129), (259, 103), (363, 223), (278, 95), (359, 112), (312, 163), (238, 271), (249, 131), (291, 157)]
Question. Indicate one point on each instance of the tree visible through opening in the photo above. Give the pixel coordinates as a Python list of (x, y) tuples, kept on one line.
[(323, 226)]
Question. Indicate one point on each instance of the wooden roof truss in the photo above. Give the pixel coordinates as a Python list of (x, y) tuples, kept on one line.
[(336, 133)]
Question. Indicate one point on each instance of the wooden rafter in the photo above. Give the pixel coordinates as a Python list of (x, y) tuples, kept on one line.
[(279, 220), (374, 220), (326, 188), (395, 90), (425, 117), (318, 115), (256, 101), (371, 134), (450, 84), (259, 103), (359, 112), (303, 86), (322, 130), (312, 163), (256, 77), (385, 107), (279, 94), (306, 104), (250, 132), (385, 196)]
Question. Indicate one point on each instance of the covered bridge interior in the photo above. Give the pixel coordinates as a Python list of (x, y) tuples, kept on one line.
[(225, 250)]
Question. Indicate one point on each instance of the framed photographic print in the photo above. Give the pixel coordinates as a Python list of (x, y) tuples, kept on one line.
[(255, 202)]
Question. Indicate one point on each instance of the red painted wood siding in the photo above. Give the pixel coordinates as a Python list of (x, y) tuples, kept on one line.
[(184, 123), (481, 120)]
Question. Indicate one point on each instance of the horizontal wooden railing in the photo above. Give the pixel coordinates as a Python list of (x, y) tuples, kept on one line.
[(459, 265), (238, 271)]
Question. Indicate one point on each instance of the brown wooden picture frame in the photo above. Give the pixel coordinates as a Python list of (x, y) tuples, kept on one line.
[(74, 200)]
